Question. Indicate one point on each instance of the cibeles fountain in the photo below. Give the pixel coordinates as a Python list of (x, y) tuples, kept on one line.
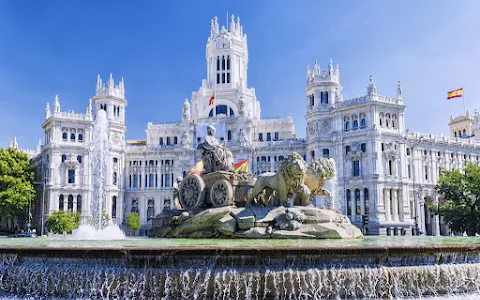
[(236, 236), (96, 226), (222, 202)]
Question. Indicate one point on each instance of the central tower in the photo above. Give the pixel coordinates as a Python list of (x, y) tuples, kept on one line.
[(227, 55)]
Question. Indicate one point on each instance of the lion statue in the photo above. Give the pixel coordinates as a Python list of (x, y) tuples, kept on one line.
[(297, 178), (288, 180), (318, 172)]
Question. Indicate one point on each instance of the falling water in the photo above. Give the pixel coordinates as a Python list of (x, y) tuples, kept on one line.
[(150, 274)]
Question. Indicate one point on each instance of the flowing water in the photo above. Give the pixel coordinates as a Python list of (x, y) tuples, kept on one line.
[(373, 268)]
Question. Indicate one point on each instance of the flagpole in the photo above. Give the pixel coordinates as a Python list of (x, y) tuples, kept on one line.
[(463, 100)]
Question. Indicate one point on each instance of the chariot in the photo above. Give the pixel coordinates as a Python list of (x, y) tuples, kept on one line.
[(216, 189)]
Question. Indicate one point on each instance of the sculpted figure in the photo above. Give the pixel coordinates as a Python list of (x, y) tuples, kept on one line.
[(215, 156), (295, 177), (289, 180), (176, 194), (186, 110)]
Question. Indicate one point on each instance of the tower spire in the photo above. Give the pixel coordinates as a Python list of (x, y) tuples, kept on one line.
[(372, 89), (56, 105)]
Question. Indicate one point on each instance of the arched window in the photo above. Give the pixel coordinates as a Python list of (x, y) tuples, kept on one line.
[(312, 154), (70, 203), (347, 149), (264, 158), (80, 137), (218, 64), (260, 137), (79, 159), (114, 179), (355, 124), (229, 135), (60, 202), (347, 125), (64, 157), (464, 132), (210, 114), (228, 62), (363, 146), (394, 121), (231, 112), (79, 203), (258, 158), (269, 136), (221, 110), (358, 209), (312, 100), (363, 122), (72, 137), (114, 206), (281, 158), (349, 203), (64, 136), (326, 153), (366, 202), (223, 63), (408, 151)]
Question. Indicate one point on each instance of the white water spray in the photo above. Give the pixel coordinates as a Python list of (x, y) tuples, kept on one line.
[(99, 229)]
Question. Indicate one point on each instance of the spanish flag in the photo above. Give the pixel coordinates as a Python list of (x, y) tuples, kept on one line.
[(455, 93), (197, 169), (210, 102), (241, 166)]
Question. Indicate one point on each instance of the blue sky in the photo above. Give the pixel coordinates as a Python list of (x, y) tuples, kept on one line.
[(59, 47)]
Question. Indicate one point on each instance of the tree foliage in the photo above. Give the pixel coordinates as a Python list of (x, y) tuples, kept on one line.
[(16, 182), (461, 193), (60, 221), (133, 222)]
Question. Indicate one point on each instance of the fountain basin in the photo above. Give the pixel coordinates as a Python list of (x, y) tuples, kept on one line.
[(257, 270)]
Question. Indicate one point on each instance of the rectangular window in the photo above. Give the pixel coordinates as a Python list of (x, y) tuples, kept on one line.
[(275, 136), (151, 209), (218, 77), (260, 137), (409, 171), (366, 201), (168, 140), (312, 100), (426, 172), (358, 209), (167, 180), (356, 168), (269, 136), (151, 181), (175, 140), (71, 176), (390, 168), (228, 77), (161, 141), (223, 77)]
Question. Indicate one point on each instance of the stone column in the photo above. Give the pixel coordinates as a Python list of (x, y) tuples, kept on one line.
[(422, 219), (436, 220), (387, 204), (362, 202), (395, 204)]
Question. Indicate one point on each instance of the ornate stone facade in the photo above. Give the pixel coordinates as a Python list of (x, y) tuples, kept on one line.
[(384, 172)]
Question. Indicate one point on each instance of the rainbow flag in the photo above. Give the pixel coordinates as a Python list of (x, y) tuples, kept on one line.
[(455, 93), (241, 166), (197, 169)]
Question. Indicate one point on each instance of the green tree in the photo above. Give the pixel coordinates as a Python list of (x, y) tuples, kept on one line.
[(16, 182), (59, 222), (461, 193), (133, 222), (77, 219), (105, 219)]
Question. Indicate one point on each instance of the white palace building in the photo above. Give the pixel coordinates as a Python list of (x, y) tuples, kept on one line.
[(383, 171)]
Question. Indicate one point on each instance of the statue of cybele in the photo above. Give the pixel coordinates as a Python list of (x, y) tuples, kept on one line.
[(215, 156)]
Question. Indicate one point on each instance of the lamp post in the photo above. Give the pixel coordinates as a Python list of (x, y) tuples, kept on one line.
[(412, 144)]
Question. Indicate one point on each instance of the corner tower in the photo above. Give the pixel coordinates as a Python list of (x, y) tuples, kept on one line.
[(111, 98), (227, 55)]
